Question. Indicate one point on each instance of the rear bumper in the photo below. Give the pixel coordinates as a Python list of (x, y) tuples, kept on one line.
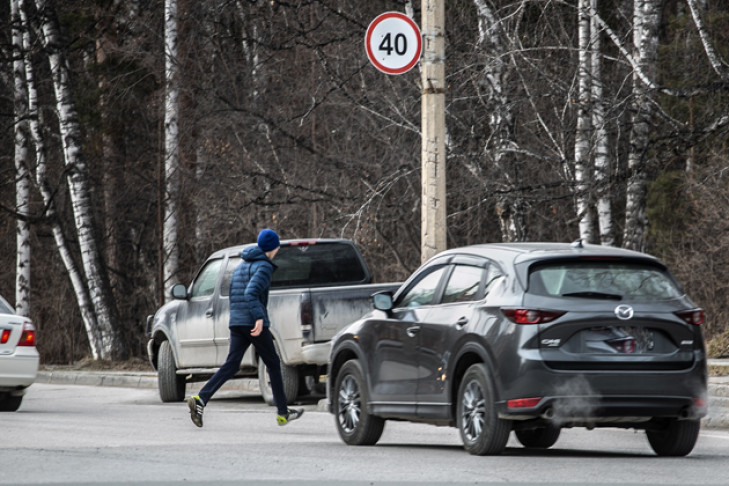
[(18, 370), (605, 395), (596, 410), (317, 354)]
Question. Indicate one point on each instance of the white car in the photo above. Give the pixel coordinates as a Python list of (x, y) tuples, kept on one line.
[(18, 357)]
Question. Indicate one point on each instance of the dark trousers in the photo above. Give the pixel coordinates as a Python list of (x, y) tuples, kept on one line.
[(240, 339)]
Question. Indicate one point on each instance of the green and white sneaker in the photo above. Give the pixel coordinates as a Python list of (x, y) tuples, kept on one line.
[(291, 414), (196, 410)]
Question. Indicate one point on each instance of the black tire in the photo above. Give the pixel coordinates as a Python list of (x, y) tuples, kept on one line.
[(539, 438), (291, 381), (354, 423), (171, 385), (314, 386), (482, 431), (676, 439), (10, 403)]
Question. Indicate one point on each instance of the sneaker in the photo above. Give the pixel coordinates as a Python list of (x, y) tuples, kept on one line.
[(291, 414), (196, 410)]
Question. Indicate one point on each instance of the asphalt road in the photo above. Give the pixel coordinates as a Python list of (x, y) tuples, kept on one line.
[(83, 435)]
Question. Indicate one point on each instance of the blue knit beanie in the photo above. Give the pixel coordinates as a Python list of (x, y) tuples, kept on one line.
[(268, 240)]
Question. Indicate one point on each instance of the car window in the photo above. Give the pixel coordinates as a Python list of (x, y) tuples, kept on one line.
[(601, 278), (423, 291), (320, 264), (5, 307), (463, 284), (493, 275), (204, 284), (228, 275)]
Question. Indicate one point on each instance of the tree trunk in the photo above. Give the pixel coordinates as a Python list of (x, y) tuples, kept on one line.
[(81, 203), (88, 316), (172, 184), (602, 158), (584, 122), (646, 18), (22, 175), (510, 210)]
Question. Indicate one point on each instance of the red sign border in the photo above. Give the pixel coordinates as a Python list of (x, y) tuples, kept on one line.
[(371, 55)]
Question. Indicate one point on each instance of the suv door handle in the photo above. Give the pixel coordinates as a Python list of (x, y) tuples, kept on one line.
[(209, 313), (462, 321), (412, 331)]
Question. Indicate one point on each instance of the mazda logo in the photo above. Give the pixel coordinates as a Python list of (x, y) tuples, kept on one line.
[(624, 312)]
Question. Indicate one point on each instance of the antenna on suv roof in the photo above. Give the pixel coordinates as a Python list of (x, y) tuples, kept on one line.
[(577, 243)]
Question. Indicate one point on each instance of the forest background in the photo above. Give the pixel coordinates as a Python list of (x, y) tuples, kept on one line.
[(138, 136)]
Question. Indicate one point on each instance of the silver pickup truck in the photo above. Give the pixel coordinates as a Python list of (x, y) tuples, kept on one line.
[(319, 287)]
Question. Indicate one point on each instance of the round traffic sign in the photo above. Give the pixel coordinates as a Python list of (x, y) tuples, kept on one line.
[(393, 43)]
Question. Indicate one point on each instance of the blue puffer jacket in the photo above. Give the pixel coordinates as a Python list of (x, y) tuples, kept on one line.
[(249, 288)]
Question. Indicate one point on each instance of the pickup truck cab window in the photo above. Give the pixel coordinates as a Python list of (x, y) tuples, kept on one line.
[(204, 285), (233, 262), (321, 264)]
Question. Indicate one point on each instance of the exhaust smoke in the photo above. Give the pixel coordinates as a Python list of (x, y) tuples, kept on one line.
[(576, 401)]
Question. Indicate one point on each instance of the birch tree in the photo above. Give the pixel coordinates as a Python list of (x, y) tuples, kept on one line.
[(510, 210), (171, 154), (22, 174), (602, 161), (85, 305), (81, 202), (646, 19), (584, 124)]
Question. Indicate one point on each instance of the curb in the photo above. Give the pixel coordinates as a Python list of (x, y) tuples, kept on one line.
[(139, 379), (718, 387), (98, 378)]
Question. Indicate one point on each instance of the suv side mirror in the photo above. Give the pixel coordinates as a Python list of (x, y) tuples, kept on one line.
[(382, 301), (179, 291)]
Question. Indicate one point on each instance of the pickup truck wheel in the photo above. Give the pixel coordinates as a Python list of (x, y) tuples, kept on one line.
[(171, 385), (10, 403), (290, 375), (482, 431), (354, 423)]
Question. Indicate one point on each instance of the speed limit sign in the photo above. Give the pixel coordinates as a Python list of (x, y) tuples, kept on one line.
[(393, 43)]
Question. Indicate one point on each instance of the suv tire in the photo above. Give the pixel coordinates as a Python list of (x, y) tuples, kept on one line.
[(354, 423), (482, 431), (538, 438), (677, 438)]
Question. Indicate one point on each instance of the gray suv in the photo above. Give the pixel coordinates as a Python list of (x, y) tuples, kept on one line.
[(529, 337)]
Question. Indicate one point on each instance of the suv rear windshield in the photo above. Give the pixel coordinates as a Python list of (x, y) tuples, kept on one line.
[(603, 279)]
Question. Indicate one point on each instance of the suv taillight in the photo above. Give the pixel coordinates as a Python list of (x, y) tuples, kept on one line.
[(693, 316), (531, 316), (28, 336), (4, 336)]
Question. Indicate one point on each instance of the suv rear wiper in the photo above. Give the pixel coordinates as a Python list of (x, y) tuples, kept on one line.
[(594, 295)]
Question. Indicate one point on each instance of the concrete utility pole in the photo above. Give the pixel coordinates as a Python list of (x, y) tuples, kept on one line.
[(433, 222)]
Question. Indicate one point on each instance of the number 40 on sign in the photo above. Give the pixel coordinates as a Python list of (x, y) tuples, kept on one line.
[(393, 43)]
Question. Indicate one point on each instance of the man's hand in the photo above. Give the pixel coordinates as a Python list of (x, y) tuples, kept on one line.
[(257, 328)]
